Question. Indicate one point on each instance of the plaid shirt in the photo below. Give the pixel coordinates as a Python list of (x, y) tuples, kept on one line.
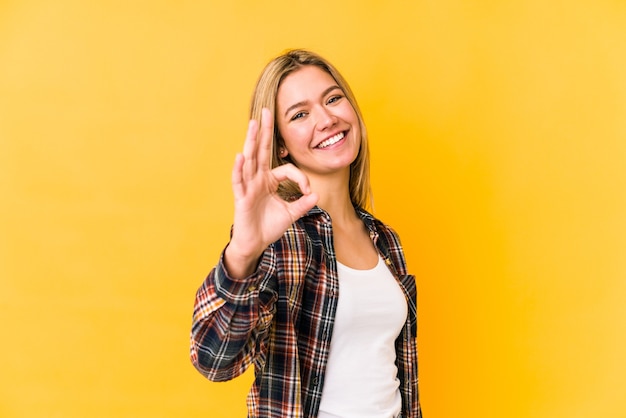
[(281, 320)]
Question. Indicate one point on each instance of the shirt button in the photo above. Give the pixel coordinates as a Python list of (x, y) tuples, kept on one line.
[(251, 288), (315, 381)]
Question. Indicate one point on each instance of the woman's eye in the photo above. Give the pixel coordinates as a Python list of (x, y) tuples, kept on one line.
[(334, 99), (297, 116)]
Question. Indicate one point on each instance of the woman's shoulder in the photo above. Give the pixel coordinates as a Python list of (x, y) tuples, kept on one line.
[(379, 225)]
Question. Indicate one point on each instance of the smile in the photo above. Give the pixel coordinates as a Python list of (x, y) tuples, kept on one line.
[(332, 140)]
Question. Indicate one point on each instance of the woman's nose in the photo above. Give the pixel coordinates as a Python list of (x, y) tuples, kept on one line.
[(325, 119)]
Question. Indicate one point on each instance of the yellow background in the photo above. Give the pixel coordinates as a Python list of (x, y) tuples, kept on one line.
[(498, 134)]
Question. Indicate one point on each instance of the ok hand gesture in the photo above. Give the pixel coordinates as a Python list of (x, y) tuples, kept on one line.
[(261, 215)]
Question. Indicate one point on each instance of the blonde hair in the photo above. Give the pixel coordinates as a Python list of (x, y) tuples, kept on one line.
[(265, 94)]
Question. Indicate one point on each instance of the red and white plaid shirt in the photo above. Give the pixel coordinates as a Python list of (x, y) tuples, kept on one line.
[(281, 320)]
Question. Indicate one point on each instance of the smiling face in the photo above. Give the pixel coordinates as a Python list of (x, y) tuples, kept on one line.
[(317, 123)]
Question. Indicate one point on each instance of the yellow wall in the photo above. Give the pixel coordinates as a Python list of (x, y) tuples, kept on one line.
[(499, 142)]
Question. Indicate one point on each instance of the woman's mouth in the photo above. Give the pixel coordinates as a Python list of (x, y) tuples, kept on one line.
[(331, 141)]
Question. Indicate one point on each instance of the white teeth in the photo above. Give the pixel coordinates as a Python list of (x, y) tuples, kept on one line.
[(331, 141)]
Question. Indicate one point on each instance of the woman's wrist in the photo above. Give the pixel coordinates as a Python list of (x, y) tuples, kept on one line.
[(239, 264)]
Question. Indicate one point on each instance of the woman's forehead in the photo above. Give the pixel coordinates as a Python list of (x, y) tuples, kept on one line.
[(307, 83)]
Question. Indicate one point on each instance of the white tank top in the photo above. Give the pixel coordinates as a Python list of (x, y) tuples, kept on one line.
[(361, 376)]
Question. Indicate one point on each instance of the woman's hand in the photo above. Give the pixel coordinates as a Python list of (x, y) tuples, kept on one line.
[(261, 215)]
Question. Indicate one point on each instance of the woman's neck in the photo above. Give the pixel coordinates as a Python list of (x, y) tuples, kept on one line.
[(334, 197)]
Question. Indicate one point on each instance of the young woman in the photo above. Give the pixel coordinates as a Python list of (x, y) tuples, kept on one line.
[(311, 289)]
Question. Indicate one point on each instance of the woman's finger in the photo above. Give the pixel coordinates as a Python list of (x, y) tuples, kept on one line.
[(266, 137), (250, 150), (301, 206), (293, 173), (239, 189)]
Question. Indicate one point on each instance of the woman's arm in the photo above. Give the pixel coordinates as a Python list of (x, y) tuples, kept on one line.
[(231, 318), (235, 304)]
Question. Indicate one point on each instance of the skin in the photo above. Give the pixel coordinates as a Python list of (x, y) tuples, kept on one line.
[(310, 109)]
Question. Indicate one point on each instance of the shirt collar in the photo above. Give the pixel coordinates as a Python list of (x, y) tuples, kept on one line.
[(367, 218)]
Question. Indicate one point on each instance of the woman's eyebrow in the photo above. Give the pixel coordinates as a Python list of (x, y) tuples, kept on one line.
[(331, 88), (295, 105), (302, 103)]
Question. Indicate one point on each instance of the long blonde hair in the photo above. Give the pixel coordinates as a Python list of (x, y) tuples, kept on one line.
[(265, 94)]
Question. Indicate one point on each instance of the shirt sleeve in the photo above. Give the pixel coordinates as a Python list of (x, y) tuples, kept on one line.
[(231, 319)]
